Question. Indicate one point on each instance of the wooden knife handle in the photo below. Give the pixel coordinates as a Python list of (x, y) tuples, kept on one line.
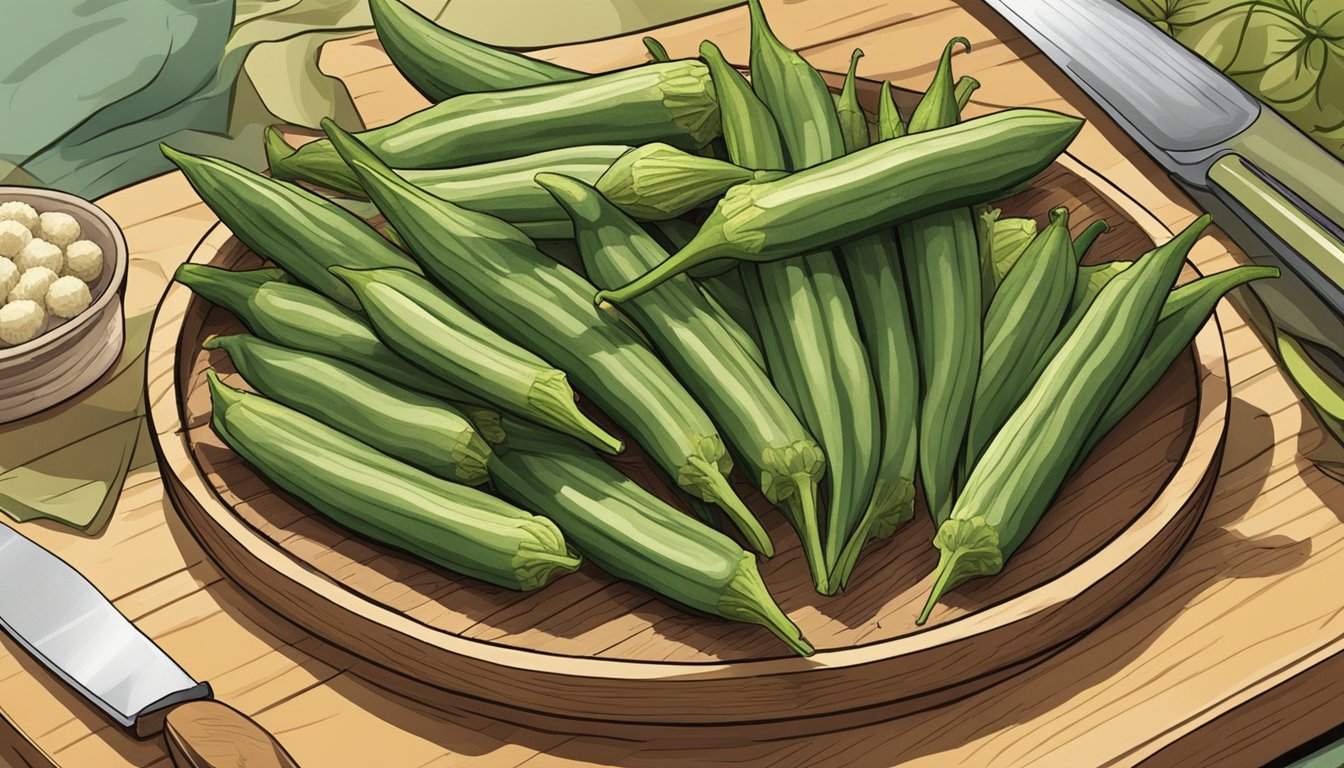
[(208, 734)]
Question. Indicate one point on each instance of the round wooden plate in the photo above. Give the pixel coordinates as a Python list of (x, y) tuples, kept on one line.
[(589, 654)]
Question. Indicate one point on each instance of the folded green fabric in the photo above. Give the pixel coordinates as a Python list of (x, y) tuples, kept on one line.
[(1289, 53)]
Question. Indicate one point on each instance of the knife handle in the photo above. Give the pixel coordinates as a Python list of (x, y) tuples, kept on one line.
[(208, 734)]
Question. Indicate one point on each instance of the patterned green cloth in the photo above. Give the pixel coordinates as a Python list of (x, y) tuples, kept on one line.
[(1289, 53)]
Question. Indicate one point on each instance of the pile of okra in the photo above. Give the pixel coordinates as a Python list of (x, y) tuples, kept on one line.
[(745, 274)]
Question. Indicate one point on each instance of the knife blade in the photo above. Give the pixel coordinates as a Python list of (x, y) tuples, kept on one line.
[(1276, 192), (64, 622)]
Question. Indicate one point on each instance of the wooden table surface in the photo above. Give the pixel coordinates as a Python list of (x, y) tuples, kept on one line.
[(1231, 658)]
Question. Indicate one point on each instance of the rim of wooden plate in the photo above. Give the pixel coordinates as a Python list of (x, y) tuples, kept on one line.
[(541, 687)]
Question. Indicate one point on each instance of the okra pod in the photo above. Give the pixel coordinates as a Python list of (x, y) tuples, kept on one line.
[(782, 458), (808, 331), (876, 277), (1083, 242), (672, 103), (657, 181), (498, 274), (1183, 313), (426, 327), (723, 290), (657, 53), (1026, 314), (505, 188), (1008, 239), (303, 233), (441, 63), (406, 425), (870, 189), (942, 257), (632, 534), (1001, 503), (451, 525), (299, 318)]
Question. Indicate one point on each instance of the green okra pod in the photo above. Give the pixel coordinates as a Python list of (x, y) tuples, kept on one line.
[(942, 258), (407, 425), (882, 185), (291, 226), (657, 181), (451, 525), (424, 326), (497, 272), (890, 124), (1183, 313), (1027, 311), (788, 300), (1001, 504), (782, 458), (632, 534), (505, 188), (1083, 242), (296, 317), (657, 53), (723, 290), (876, 277), (671, 102), (441, 63)]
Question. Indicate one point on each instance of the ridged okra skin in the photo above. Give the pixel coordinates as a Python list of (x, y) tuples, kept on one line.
[(498, 274), (634, 535), (300, 318), (1001, 504), (303, 233), (671, 102), (451, 525), (441, 63), (429, 329), (420, 430)]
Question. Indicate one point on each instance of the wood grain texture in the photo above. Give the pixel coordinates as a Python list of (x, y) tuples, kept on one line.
[(605, 656), (207, 734), (1231, 657)]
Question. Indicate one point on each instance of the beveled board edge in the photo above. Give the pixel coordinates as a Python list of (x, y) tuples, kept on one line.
[(594, 693)]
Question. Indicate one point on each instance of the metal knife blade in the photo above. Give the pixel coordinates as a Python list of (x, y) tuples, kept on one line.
[(1277, 192), (68, 625)]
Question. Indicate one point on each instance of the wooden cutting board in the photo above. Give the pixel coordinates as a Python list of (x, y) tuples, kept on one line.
[(1232, 657)]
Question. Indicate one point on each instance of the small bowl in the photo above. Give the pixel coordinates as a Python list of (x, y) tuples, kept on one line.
[(68, 355)]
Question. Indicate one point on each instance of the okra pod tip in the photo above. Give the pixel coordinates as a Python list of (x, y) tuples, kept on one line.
[(747, 599)]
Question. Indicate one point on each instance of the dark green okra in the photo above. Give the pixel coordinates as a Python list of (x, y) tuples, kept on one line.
[(805, 362), (882, 185), (424, 326), (299, 318), (632, 534), (451, 525), (657, 53), (782, 458), (505, 188), (671, 102), (441, 63), (1027, 311), (876, 276), (822, 353), (942, 259), (303, 233), (497, 272), (407, 425), (1001, 504), (1183, 314)]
